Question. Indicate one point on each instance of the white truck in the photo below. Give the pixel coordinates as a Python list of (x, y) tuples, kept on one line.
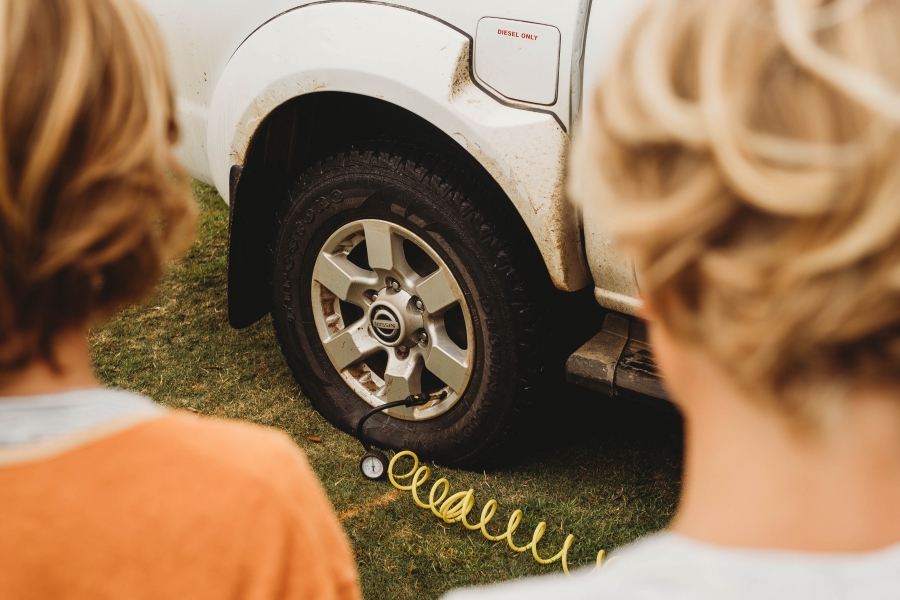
[(395, 172)]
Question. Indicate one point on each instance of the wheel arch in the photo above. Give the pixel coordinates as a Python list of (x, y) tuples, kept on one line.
[(334, 48), (289, 140)]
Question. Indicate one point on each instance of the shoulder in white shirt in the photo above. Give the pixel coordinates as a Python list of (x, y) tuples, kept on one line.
[(672, 567)]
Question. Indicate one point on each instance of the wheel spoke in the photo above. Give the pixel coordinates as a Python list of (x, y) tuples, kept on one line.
[(448, 362), (402, 378), (385, 249), (437, 292), (344, 279), (351, 345)]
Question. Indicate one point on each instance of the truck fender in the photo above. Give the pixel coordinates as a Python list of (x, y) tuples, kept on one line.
[(418, 63)]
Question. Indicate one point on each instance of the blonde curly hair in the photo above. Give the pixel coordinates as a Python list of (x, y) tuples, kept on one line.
[(748, 158), (92, 201)]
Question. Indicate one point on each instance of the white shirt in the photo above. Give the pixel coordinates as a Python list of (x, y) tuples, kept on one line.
[(34, 419), (672, 567), (41, 426)]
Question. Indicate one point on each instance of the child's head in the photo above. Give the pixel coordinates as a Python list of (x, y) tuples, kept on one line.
[(92, 201), (748, 158)]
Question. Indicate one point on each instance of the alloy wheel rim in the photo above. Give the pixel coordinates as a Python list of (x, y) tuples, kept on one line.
[(392, 318)]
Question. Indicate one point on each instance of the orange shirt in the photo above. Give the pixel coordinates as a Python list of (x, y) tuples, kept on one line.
[(175, 507)]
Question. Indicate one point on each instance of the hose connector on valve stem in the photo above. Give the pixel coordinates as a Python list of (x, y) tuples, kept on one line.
[(374, 462)]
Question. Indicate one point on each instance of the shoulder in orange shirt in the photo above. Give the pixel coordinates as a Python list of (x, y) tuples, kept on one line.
[(177, 507)]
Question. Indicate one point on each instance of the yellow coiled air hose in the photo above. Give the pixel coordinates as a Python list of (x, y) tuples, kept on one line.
[(455, 508)]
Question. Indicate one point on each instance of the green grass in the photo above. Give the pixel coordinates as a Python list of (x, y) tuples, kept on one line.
[(604, 470)]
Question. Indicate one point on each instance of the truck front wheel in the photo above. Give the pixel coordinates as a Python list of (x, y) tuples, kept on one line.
[(396, 273)]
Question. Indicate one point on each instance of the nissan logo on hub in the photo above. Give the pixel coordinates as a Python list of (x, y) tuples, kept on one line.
[(385, 324)]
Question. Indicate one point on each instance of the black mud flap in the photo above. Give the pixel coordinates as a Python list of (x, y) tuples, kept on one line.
[(250, 233)]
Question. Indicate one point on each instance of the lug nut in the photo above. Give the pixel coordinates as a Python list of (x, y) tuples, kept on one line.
[(420, 305), (395, 285), (402, 349), (423, 338)]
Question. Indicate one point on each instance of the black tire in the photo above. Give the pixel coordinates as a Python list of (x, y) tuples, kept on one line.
[(486, 246)]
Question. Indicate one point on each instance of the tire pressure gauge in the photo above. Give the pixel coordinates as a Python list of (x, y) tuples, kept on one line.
[(373, 464)]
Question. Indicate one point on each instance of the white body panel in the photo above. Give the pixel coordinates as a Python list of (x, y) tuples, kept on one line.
[(236, 60), (615, 284), (203, 35)]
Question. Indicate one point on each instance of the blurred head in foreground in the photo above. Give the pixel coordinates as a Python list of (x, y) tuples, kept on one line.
[(92, 202), (748, 159), (103, 492)]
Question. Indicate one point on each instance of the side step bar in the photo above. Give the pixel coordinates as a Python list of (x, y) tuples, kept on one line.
[(617, 360)]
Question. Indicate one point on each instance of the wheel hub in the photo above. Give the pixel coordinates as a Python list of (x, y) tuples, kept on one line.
[(403, 312)]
